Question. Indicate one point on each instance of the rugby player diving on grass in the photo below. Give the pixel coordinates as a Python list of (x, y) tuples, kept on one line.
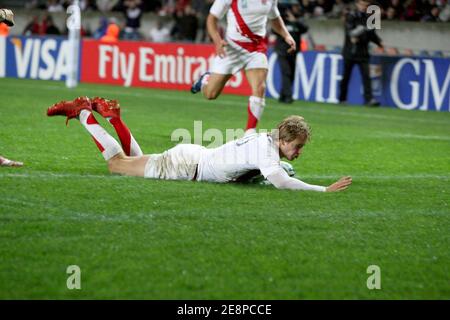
[(227, 163)]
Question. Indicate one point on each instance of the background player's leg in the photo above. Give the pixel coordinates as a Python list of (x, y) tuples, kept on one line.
[(214, 85), (286, 75), (257, 80), (348, 66), (365, 75)]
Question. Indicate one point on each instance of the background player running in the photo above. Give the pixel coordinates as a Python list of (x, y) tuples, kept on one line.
[(244, 47)]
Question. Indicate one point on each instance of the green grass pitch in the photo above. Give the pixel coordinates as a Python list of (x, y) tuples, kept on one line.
[(138, 238)]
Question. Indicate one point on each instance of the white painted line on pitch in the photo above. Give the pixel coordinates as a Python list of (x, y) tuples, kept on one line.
[(52, 176), (412, 136), (346, 111), (55, 213), (11, 204)]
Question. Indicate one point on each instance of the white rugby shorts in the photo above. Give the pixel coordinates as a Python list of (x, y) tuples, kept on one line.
[(238, 58), (177, 163)]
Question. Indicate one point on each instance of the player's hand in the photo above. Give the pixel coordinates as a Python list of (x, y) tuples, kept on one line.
[(340, 185), (291, 42), (220, 48), (7, 16)]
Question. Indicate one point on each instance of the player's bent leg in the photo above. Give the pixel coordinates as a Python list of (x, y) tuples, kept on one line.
[(215, 85), (81, 109), (118, 162), (128, 166), (110, 110), (257, 80), (257, 102)]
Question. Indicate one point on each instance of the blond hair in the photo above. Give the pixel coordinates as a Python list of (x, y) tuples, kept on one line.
[(292, 127)]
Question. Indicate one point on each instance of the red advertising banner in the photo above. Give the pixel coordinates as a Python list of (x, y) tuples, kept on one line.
[(152, 65)]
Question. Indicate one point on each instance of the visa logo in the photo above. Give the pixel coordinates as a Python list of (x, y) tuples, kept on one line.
[(38, 58)]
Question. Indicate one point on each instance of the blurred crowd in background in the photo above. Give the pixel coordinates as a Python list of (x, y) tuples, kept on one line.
[(410, 10), (185, 20), (176, 20)]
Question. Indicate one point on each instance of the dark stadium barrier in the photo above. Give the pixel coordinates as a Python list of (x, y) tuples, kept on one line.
[(413, 83)]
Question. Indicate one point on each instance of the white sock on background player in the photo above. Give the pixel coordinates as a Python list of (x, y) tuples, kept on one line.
[(205, 81), (255, 110)]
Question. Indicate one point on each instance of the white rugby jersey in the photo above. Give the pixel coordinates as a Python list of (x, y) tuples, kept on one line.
[(235, 158), (250, 13)]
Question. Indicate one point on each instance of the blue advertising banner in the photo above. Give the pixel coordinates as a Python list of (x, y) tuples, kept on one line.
[(411, 83), (43, 58)]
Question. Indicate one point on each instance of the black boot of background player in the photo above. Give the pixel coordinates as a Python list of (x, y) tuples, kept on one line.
[(372, 103), (284, 99)]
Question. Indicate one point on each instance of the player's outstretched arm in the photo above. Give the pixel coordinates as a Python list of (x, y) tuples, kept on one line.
[(281, 180), (340, 185), (213, 31), (279, 27), (7, 16)]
